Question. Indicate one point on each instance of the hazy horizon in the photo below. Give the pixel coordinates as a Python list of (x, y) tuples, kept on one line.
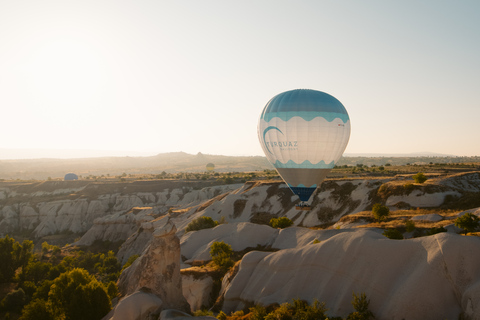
[(32, 154), (155, 77)]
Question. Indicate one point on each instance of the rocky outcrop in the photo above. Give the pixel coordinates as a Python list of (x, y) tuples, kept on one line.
[(197, 288), (139, 305), (119, 226), (433, 277), (74, 207), (158, 268)]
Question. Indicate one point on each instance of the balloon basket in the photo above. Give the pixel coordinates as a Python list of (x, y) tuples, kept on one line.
[(303, 207)]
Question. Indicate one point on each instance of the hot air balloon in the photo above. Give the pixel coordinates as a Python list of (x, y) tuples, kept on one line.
[(70, 176), (210, 166), (303, 134)]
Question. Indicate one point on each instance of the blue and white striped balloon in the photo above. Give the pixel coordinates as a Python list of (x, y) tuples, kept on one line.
[(303, 134)]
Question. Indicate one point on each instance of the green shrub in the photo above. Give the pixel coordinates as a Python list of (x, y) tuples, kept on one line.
[(129, 262), (221, 253), (303, 311), (201, 223), (393, 234), (222, 316), (408, 188), (202, 313), (468, 222), (361, 306), (380, 212), (257, 313), (419, 177), (283, 312), (36, 310), (409, 225), (14, 301), (280, 223), (434, 230)]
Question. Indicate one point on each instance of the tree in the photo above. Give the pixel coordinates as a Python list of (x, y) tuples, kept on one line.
[(419, 177), (380, 212), (77, 295), (468, 222), (14, 301), (360, 304), (8, 265), (36, 310), (221, 253)]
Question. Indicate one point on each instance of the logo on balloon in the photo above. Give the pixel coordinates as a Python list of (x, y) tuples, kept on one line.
[(292, 145)]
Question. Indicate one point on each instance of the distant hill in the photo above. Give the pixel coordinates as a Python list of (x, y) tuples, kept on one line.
[(168, 162), (41, 169)]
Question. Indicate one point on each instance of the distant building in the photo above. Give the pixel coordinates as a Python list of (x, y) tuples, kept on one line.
[(70, 176)]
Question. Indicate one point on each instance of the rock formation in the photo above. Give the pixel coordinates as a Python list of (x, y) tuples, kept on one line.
[(158, 268), (433, 277)]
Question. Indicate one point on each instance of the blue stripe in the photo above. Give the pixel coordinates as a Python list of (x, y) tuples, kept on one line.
[(305, 115), (304, 165), (301, 100)]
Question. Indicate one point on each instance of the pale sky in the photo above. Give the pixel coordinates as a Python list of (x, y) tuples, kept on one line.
[(162, 76)]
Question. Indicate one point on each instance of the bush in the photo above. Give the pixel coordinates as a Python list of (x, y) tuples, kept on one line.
[(468, 222), (380, 212), (280, 223), (222, 316), (129, 262), (420, 177), (298, 310), (201, 223), (409, 225), (257, 313), (221, 253), (408, 187), (434, 230), (14, 301), (393, 234), (78, 295), (360, 304), (36, 310)]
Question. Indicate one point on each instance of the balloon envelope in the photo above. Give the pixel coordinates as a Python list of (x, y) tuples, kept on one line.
[(303, 134), (70, 176)]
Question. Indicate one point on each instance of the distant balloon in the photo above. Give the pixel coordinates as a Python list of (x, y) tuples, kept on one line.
[(210, 167), (70, 176), (303, 134)]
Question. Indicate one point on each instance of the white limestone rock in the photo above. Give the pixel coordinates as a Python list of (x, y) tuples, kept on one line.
[(158, 268), (172, 314), (137, 306), (432, 217), (197, 289), (196, 244), (433, 277)]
